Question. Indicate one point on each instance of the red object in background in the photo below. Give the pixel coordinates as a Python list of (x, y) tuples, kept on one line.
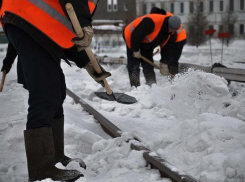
[(210, 32), (221, 35)]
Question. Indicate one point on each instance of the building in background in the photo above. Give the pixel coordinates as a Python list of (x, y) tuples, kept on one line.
[(109, 19), (118, 13), (121, 11), (216, 12)]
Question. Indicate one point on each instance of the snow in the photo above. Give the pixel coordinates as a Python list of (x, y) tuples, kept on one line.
[(107, 27), (196, 122)]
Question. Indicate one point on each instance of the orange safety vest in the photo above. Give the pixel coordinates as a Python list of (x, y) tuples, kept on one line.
[(92, 4), (45, 15), (169, 14), (158, 21), (181, 34)]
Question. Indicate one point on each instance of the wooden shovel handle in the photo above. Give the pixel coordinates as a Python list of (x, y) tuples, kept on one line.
[(150, 62), (80, 34), (3, 80)]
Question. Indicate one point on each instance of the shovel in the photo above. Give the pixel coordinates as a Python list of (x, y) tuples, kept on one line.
[(108, 95), (3, 80), (150, 62), (155, 65)]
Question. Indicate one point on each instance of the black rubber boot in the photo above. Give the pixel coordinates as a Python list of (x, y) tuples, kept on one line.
[(150, 78), (134, 78), (39, 146), (58, 135)]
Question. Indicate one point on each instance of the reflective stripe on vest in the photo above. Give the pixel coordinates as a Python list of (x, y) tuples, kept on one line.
[(92, 4), (169, 14), (158, 21), (181, 34), (47, 16)]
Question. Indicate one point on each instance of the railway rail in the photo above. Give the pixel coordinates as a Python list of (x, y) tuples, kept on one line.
[(231, 74), (166, 169)]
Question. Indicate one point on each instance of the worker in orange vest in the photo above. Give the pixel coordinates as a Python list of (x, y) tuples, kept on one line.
[(41, 34), (170, 53), (142, 36)]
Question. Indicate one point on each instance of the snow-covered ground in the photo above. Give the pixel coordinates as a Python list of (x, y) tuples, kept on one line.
[(196, 122)]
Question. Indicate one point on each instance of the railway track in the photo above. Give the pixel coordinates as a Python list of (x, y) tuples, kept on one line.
[(167, 170), (231, 74)]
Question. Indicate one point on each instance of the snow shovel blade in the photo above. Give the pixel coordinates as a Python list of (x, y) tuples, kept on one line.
[(119, 97)]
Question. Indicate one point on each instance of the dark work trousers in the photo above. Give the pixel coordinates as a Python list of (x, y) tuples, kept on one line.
[(171, 54), (178, 47), (133, 67), (20, 74), (44, 79)]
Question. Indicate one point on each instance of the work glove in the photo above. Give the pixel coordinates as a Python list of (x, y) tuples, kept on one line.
[(6, 67), (83, 43), (164, 68), (96, 76), (137, 54)]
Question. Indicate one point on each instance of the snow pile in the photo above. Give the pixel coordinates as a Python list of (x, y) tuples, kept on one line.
[(113, 158), (195, 123), (84, 138), (189, 94), (205, 145), (192, 93)]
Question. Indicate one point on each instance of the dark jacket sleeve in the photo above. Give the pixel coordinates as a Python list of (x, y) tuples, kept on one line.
[(81, 9), (144, 28), (178, 47), (168, 51), (11, 55), (79, 58)]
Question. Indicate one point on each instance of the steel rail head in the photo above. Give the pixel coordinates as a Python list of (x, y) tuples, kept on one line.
[(112, 130), (166, 169)]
